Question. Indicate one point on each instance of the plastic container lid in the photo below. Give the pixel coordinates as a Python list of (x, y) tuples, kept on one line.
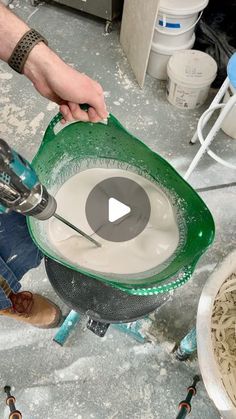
[(165, 50), (192, 67), (182, 7)]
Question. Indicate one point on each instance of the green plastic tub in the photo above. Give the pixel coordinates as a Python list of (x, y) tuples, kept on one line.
[(79, 146)]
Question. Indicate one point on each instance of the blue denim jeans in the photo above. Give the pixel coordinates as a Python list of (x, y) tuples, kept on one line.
[(18, 253)]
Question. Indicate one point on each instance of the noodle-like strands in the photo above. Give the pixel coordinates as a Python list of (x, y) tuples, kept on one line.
[(224, 334)]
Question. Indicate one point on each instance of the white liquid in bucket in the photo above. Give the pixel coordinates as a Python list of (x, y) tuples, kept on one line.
[(154, 245)]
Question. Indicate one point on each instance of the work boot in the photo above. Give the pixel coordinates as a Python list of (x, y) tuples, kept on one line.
[(33, 309)]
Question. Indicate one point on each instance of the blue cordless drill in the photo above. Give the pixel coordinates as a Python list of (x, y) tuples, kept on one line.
[(21, 190)]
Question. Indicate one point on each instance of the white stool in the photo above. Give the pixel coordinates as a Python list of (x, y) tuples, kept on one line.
[(230, 82)]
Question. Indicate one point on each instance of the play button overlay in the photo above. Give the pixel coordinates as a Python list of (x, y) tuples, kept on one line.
[(118, 209)]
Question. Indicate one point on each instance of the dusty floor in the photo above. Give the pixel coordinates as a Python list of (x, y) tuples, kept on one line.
[(113, 377)]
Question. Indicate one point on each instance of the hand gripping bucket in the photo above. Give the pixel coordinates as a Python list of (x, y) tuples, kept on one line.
[(79, 146)]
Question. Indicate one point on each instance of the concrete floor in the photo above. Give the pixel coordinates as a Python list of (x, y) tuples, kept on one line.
[(113, 377)]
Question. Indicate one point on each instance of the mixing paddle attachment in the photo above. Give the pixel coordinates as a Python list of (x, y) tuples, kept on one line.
[(58, 217)]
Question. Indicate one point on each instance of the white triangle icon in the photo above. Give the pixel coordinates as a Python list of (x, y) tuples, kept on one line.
[(116, 210)]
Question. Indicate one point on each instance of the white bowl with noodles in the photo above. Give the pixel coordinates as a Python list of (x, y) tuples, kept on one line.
[(208, 365)]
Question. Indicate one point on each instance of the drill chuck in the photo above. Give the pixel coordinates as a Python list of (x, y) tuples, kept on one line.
[(47, 209), (20, 189), (40, 204)]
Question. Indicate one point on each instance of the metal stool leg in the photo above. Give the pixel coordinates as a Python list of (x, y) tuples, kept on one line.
[(206, 143), (188, 345), (216, 100)]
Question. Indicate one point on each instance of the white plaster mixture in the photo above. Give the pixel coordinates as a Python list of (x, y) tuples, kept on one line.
[(155, 244)]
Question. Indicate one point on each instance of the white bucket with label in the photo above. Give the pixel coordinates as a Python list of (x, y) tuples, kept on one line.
[(176, 21), (159, 57), (190, 74), (229, 123), (179, 14)]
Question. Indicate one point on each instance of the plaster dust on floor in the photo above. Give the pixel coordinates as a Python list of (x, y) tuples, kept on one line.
[(153, 246), (113, 377)]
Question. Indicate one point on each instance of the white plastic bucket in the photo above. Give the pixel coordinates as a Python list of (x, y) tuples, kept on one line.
[(179, 14), (176, 21), (190, 74), (159, 57), (173, 39), (229, 123), (173, 22)]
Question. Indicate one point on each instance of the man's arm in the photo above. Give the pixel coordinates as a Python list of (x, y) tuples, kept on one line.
[(11, 30), (51, 77)]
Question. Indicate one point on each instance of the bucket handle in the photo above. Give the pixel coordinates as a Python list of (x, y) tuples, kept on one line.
[(183, 30), (50, 133)]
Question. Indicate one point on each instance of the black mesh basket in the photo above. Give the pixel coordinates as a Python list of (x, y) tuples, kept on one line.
[(99, 301)]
